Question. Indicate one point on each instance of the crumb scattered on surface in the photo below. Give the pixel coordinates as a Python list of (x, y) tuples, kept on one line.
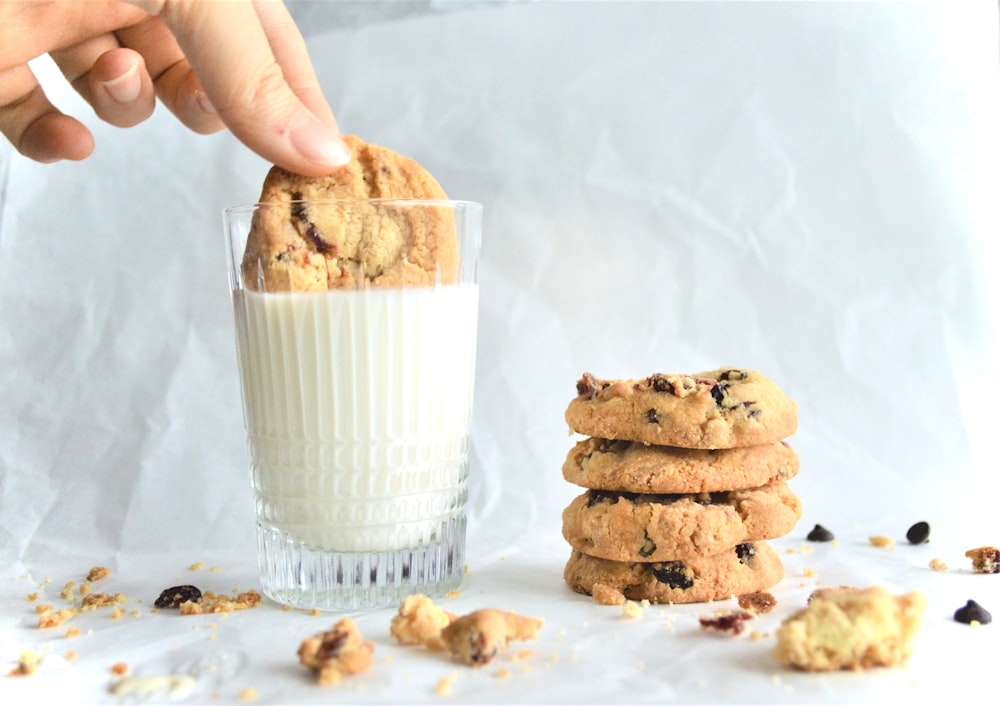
[(43, 608), (985, 560), (759, 602), (336, 653), (502, 673), (606, 595), (443, 685), (71, 655), (882, 541), (937, 564), (197, 566), (476, 638), (32, 597), (97, 573), (420, 622), (453, 594), (119, 669), (27, 664), (247, 695), (315, 612), (213, 603), (215, 569), (809, 572), (53, 618), (632, 610), (102, 600), (73, 632)]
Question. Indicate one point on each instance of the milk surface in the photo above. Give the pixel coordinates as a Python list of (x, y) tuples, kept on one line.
[(357, 407)]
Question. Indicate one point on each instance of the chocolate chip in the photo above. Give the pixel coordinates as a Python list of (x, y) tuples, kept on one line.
[(330, 644), (751, 409), (174, 596), (918, 533), (972, 611), (719, 393), (653, 417), (819, 533), (659, 383), (648, 546), (673, 573), (745, 552), (735, 375)]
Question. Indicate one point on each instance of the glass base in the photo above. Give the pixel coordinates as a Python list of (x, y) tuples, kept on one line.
[(293, 574)]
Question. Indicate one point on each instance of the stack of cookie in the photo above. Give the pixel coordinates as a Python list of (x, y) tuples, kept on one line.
[(685, 476)]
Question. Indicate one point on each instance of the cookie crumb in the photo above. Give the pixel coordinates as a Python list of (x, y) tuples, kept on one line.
[(223, 605), (809, 572), (606, 595), (197, 566), (97, 573), (420, 622), (443, 685), (882, 541), (502, 673), (32, 597), (71, 655), (632, 610), (50, 619), (937, 564), (27, 664), (315, 612), (247, 695), (476, 638), (985, 560), (73, 632), (336, 653), (119, 669), (759, 602)]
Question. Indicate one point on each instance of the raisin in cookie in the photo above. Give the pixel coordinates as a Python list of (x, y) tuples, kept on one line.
[(718, 409), (607, 464), (632, 527), (851, 629), (336, 653), (742, 569), (305, 237)]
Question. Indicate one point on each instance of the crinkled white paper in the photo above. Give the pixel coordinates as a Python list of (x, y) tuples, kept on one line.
[(804, 189)]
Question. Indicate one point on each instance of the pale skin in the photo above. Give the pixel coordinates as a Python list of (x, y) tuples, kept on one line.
[(215, 64)]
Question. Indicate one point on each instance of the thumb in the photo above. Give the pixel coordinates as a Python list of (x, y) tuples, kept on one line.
[(229, 50)]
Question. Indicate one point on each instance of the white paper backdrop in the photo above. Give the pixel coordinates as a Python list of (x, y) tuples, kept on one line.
[(804, 189)]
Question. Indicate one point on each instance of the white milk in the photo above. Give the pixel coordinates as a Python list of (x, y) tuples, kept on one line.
[(357, 407)]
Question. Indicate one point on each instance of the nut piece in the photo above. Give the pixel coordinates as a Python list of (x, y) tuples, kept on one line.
[(851, 629), (336, 653), (478, 637), (985, 560), (419, 622)]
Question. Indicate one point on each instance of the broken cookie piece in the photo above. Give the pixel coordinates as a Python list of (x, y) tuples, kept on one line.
[(478, 637), (851, 629), (985, 560), (336, 653), (420, 622)]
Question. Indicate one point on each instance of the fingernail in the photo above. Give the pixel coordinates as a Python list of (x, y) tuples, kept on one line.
[(201, 98), (318, 143), (126, 87)]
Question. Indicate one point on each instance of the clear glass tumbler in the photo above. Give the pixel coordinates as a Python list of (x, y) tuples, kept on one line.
[(357, 394)]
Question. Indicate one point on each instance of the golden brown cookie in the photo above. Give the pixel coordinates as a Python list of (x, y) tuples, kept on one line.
[(606, 464), (336, 653), (633, 527), (478, 637), (306, 237), (718, 409), (420, 622), (851, 629), (743, 569)]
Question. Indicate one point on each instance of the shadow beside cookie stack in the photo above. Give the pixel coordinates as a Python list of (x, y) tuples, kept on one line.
[(685, 478)]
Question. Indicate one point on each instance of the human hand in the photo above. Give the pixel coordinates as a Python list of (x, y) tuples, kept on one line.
[(240, 64)]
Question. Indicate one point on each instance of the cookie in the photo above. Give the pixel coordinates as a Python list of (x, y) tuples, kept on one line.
[(420, 622), (480, 636), (336, 653), (742, 569), (632, 527), (851, 629), (718, 409), (306, 238), (606, 464)]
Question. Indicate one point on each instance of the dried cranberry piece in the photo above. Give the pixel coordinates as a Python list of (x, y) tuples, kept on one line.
[(745, 552), (673, 574), (731, 624), (587, 386), (653, 417), (174, 596)]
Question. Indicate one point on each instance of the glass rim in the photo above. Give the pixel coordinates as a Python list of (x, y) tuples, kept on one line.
[(454, 204)]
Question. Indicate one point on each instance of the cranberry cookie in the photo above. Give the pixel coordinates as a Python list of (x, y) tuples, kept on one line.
[(308, 238), (746, 568), (718, 409), (606, 464), (631, 527), (478, 637)]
